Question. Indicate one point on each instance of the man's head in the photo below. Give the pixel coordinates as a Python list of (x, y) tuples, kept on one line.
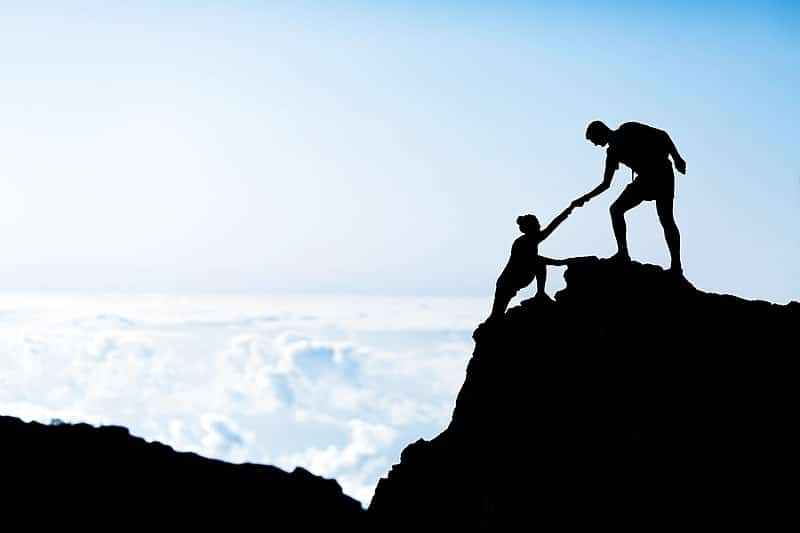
[(598, 133), (528, 224)]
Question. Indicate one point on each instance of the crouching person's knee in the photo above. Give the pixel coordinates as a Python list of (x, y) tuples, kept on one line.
[(503, 292)]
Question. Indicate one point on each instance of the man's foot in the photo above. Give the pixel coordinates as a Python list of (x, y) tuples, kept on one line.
[(676, 270), (620, 257)]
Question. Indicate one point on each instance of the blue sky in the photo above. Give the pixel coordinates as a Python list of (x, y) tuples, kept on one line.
[(383, 147)]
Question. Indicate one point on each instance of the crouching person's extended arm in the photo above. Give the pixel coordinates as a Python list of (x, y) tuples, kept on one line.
[(551, 261)]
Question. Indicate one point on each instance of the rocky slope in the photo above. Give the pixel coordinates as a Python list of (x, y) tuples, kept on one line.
[(103, 479), (632, 401)]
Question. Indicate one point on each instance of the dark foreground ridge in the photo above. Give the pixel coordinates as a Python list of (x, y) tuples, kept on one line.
[(633, 401), (101, 478)]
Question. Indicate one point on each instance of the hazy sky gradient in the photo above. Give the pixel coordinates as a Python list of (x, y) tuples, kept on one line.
[(383, 147)]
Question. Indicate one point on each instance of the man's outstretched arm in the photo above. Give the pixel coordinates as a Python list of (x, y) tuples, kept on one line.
[(555, 223), (608, 175)]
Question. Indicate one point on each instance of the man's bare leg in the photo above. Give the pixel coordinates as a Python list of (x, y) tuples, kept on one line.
[(626, 201), (671, 233)]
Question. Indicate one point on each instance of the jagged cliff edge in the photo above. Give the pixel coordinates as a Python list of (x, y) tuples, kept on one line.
[(633, 401)]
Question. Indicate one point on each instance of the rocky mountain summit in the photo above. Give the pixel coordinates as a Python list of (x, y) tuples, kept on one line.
[(631, 401)]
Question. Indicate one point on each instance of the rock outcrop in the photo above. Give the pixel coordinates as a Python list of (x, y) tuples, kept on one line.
[(102, 478), (632, 401)]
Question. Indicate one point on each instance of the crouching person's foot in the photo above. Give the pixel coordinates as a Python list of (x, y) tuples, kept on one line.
[(539, 298)]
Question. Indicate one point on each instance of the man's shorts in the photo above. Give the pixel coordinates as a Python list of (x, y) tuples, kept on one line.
[(653, 184)]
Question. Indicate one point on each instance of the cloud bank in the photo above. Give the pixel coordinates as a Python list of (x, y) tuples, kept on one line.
[(338, 385)]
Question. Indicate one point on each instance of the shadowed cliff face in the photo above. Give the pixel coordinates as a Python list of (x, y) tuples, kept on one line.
[(633, 401), (103, 478)]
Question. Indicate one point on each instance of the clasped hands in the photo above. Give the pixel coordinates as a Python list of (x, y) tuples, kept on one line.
[(578, 202)]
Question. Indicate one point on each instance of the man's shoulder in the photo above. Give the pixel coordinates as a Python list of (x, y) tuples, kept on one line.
[(633, 127), (632, 137), (625, 134), (634, 130)]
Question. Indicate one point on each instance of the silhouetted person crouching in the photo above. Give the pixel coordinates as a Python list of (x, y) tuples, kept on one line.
[(525, 263), (646, 150)]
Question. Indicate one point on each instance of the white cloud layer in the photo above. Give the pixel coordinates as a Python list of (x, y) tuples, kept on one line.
[(338, 385)]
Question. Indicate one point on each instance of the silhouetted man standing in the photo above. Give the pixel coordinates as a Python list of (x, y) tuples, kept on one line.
[(646, 150)]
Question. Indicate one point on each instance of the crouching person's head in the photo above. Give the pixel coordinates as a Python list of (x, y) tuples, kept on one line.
[(528, 224)]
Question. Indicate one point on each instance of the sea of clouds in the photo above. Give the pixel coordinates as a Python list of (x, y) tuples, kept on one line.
[(336, 384)]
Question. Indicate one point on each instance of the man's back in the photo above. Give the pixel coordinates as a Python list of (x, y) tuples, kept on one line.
[(639, 146)]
